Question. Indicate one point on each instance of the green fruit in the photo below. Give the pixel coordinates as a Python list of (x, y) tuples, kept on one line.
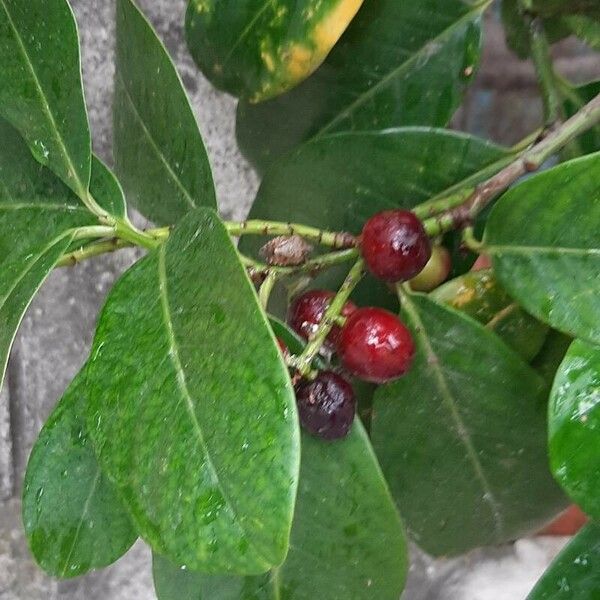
[(435, 271), (479, 295)]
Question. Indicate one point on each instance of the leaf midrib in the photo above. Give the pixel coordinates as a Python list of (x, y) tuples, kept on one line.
[(504, 249), (84, 513), (182, 385), (450, 403), (398, 71), (30, 266), (246, 32), (162, 158), (4, 362), (42, 206), (82, 189)]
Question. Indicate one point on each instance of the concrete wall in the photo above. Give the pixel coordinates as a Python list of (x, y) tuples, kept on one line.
[(55, 336)]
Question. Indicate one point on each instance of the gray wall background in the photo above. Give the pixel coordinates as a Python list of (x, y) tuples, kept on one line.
[(56, 333)]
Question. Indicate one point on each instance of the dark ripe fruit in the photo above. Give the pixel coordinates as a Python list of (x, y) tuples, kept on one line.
[(375, 345), (307, 310), (435, 272), (326, 405), (395, 245)]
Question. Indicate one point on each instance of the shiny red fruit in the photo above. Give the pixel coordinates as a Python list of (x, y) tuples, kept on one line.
[(306, 312), (375, 345), (395, 246), (326, 405)]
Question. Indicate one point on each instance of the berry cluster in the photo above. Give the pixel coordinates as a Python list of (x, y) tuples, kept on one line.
[(372, 344)]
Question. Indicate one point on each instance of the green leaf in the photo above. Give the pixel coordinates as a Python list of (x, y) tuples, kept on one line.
[(576, 98), (550, 356), (159, 154), (197, 426), (479, 295), (575, 573), (40, 86), (107, 190), (347, 539), (37, 217), (337, 182), (399, 63), (547, 254), (461, 438), (574, 420), (259, 49), (73, 518)]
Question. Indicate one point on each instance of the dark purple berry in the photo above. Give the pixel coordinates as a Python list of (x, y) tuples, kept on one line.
[(326, 405)]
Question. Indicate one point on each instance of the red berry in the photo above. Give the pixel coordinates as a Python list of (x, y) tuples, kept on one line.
[(394, 245), (326, 405), (307, 310), (375, 345)]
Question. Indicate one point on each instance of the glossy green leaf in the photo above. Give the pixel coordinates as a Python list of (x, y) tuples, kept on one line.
[(575, 573), (257, 49), (547, 254), (337, 182), (347, 540), (73, 518), (576, 98), (399, 63), (107, 190), (37, 217), (479, 295), (574, 422), (197, 426), (462, 437), (40, 86), (551, 355), (159, 154)]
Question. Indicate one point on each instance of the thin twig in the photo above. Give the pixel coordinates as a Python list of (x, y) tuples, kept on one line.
[(530, 160), (330, 317)]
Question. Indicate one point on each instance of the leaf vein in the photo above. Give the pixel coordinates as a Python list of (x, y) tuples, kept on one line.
[(82, 189), (186, 195), (86, 507), (247, 31), (542, 250), (399, 70), (182, 385), (450, 403)]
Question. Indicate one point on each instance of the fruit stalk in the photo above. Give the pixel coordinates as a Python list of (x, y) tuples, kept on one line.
[(318, 263), (96, 249), (264, 292), (303, 362), (333, 239), (530, 160)]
